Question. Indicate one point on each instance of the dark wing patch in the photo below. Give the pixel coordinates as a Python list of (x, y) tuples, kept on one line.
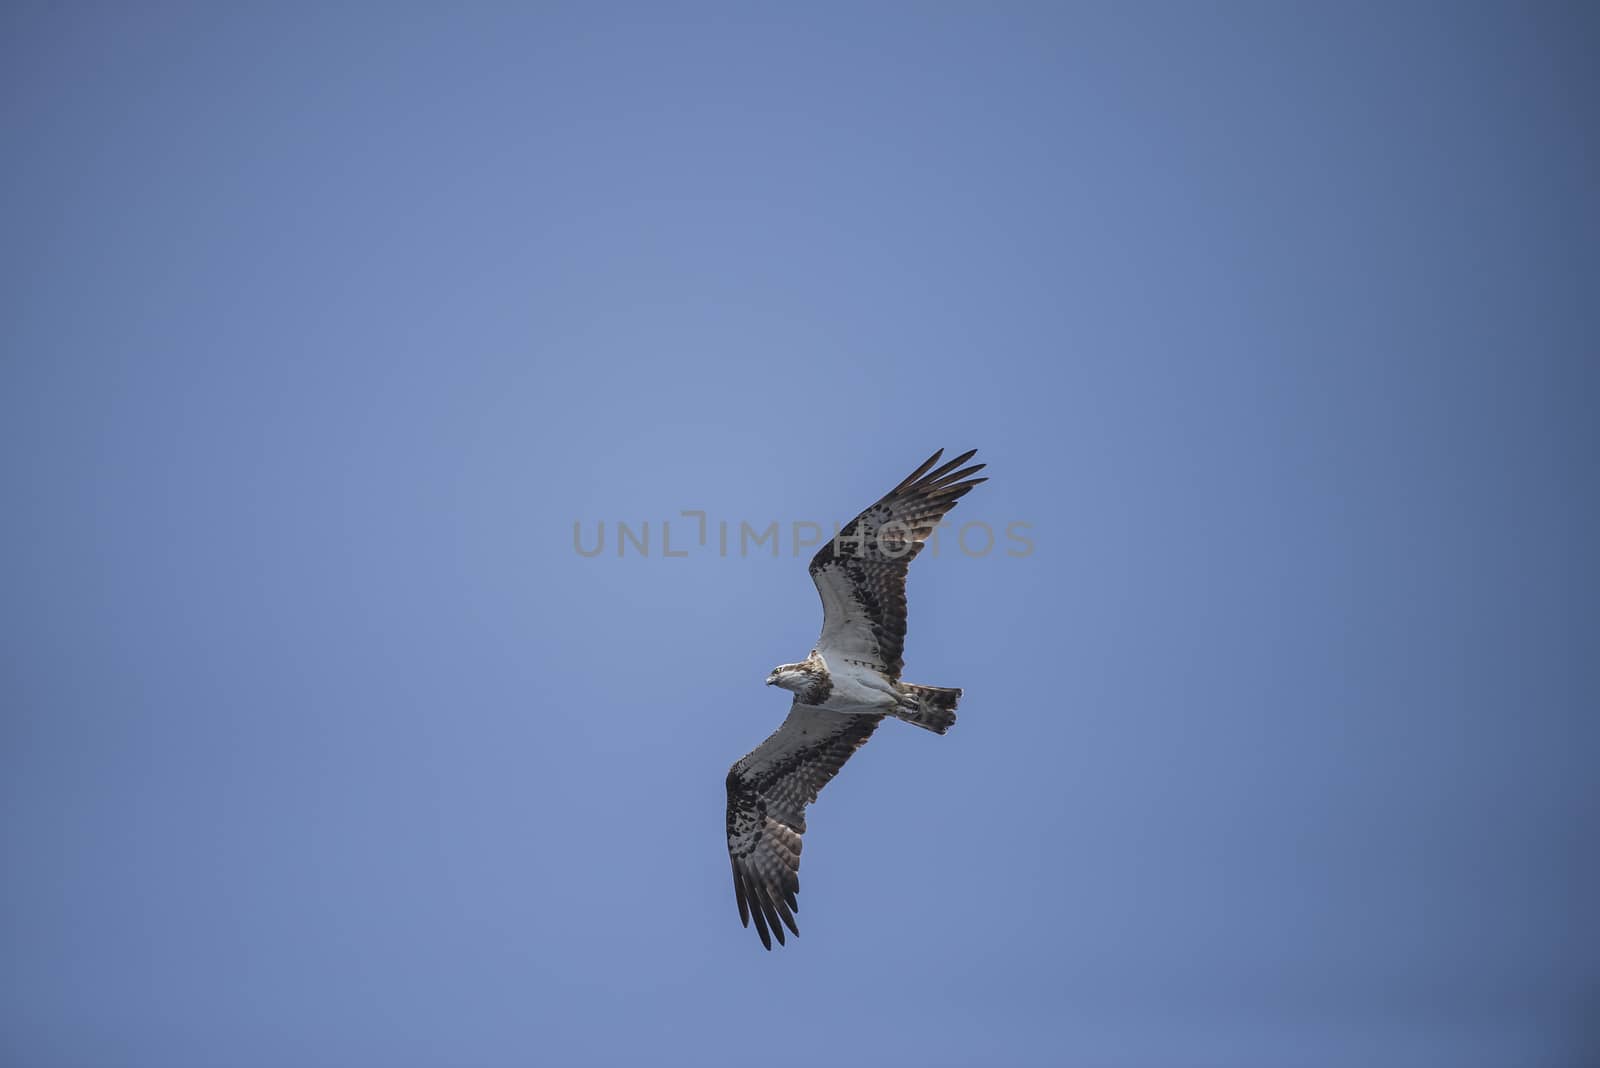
[(861, 574), (768, 791)]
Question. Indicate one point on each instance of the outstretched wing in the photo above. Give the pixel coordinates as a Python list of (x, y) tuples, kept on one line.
[(768, 791), (861, 574)]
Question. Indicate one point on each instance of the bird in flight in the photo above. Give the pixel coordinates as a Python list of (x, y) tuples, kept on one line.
[(842, 691)]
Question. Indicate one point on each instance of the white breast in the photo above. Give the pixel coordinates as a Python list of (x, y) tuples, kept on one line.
[(858, 689)]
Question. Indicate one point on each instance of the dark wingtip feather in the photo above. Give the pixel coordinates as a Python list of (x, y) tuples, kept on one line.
[(761, 924), (738, 894), (947, 467), (764, 899), (951, 472), (958, 490), (787, 916), (921, 470), (963, 458)]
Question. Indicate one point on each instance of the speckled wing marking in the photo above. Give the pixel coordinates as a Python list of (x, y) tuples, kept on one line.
[(768, 791), (861, 575)]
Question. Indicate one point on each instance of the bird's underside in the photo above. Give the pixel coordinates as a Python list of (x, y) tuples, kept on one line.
[(843, 690)]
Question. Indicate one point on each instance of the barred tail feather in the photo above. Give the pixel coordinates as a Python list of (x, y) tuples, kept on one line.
[(932, 708)]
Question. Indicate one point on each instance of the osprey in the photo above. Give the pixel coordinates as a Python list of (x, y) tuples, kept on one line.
[(842, 691)]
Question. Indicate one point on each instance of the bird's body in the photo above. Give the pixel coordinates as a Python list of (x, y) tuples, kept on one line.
[(846, 686), (843, 689)]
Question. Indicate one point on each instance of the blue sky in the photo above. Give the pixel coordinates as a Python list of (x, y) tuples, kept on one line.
[(321, 745)]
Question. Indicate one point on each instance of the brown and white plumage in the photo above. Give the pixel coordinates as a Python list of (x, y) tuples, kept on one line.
[(844, 689), (768, 792), (861, 574)]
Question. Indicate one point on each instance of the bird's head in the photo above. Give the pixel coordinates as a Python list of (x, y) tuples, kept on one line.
[(789, 677), (797, 677)]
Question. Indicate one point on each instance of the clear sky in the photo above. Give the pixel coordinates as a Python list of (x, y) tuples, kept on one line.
[(322, 746)]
